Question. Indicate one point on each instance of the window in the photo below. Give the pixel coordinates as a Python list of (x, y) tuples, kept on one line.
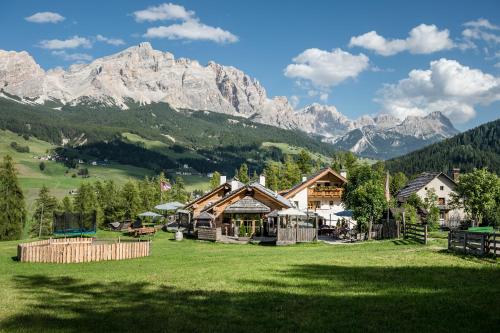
[(441, 188), (426, 188), (441, 201), (314, 205), (296, 203), (331, 204)]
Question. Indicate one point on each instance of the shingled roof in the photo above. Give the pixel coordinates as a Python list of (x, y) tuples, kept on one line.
[(247, 205), (418, 183), (251, 186)]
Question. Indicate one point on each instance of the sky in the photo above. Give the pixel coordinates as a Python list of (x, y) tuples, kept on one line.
[(364, 57)]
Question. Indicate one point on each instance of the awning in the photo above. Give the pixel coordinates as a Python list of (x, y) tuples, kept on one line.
[(247, 205), (287, 212)]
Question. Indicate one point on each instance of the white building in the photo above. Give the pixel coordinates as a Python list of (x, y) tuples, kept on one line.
[(321, 193), (443, 187)]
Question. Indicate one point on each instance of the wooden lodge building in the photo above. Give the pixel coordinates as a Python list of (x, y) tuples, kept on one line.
[(234, 209)]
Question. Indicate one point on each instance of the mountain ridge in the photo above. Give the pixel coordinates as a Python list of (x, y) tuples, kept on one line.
[(144, 75)]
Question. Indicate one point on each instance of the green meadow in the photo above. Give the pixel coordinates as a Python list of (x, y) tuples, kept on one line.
[(194, 286)]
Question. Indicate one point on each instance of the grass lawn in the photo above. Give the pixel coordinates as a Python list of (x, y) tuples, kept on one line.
[(193, 286)]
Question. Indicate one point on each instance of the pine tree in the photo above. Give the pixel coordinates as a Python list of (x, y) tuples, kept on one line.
[(215, 180), (304, 162), (272, 175), (12, 205), (243, 174), (86, 202), (178, 191), (130, 200), (291, 173), (45, 205), (66, 204), (397, 182)]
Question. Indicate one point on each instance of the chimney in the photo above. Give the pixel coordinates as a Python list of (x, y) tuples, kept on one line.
[(222, 179), (343, 173), (235, 184), (262, 180), (304, 178), (455, 174)]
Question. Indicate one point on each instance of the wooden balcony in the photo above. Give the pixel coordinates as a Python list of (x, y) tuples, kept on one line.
[(327, 192)]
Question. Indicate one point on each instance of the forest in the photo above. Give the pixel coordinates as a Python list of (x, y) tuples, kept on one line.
[(475, 148)]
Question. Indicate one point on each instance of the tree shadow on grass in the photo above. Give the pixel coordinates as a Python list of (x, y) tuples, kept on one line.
[(303, 298)]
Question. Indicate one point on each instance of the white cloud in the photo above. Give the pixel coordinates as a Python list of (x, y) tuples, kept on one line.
[(294, 101), (422, 39), (77, 57), (190, 28), (326, 69), (497, 65), (482, 23), (447, 86), (45, 17), (165, 11), (193, 30), (323, 97), (71, 43), (111, 41)]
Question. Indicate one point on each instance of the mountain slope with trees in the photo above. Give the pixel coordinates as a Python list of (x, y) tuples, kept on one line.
[(475, 148)]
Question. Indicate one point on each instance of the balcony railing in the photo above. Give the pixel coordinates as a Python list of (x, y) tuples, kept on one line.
[(325, 192)]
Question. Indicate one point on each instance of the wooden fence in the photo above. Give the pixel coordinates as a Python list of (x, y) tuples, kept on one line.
[(416, 232), (76, 250), (474, 243), (295, 235)]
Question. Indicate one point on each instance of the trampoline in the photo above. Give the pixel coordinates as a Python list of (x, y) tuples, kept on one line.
[(72, 224)]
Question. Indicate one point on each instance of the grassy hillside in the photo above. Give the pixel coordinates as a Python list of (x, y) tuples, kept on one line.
[(58, 178), (192, 286), (206, 141), (475, 148)]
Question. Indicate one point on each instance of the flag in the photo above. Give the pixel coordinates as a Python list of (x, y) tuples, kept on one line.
[(165, 186), (387, 192)]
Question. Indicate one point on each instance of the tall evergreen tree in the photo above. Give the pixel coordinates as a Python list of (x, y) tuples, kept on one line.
[(12, 204), (215, 180), (178, 191), (291, 173), (304, 162), (45, 205), (86, 202), (130, 200), (66, 204), (397, 182), (272, 171), (243, 173)]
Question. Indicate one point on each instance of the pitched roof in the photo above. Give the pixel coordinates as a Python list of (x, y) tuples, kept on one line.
[(247, 205), (227, 184), (204, 216), (314, 177), (257, 186), (416, 184)]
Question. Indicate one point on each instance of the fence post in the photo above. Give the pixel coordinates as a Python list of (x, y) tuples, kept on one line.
[(404, 225), (465, 241), (494, 244), (425, 234), (482, 244), (449, 239)]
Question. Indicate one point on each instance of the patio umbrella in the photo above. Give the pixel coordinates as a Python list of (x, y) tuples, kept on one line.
[(149, 214), (170, 206)]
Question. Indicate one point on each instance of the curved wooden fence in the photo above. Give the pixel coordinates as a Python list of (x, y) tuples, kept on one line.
[(76, 250)]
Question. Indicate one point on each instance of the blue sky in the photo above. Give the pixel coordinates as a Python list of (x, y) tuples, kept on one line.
[(355, 55)]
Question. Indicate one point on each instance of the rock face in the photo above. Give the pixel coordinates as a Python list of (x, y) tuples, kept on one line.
[(389, 137), (143, 75)]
